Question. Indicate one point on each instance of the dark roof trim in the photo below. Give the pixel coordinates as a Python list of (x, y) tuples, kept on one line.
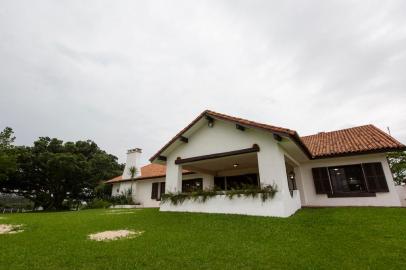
[(253, 149), (174, 139)]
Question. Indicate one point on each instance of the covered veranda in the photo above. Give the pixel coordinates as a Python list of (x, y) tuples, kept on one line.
[(235, 170)]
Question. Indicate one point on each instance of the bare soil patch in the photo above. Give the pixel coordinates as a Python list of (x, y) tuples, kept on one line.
[(10, 228), (114, 235)]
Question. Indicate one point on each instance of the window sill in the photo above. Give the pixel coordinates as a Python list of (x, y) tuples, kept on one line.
[(351, 194)]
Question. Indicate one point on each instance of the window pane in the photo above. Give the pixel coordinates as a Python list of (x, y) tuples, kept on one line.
[(192, 185), (239, 181), (219, 183), (347, 178), (375, 177), (321, 180)]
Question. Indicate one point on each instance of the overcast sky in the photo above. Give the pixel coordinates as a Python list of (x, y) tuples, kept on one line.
[(133, 73)]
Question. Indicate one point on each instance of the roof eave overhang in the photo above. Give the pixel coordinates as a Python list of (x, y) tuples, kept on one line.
[(359, 153)]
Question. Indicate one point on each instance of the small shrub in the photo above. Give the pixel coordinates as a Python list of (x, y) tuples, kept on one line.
[(265, 192), (121, 199), (98, 203), (174, 198)]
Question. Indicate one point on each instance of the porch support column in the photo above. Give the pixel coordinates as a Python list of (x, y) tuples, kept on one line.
[(173, 177), (271, 166), (208, 181)]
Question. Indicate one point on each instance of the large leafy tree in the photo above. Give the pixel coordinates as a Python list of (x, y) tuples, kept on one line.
[(397, 163), (8, 163), (51, 171)]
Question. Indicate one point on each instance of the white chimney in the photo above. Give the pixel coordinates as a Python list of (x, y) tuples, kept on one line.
[(133, 160)]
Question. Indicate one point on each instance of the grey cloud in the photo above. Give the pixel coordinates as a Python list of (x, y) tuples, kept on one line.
[(128, 74)]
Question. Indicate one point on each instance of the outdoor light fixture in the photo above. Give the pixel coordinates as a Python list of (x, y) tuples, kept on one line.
[(210, 121), (236, 165), (293, 181)]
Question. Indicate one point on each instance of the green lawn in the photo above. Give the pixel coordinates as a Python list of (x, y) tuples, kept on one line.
[(335, 238)]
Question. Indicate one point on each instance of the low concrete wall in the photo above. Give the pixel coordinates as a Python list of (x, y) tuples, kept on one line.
[(242, 205), (121, 206), (401, 190)]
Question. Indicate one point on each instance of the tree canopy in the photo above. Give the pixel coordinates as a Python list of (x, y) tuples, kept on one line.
[(51, 171), (397, 163), (7, 158)]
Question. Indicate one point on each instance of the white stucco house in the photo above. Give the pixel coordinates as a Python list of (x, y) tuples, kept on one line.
[(340, 168)]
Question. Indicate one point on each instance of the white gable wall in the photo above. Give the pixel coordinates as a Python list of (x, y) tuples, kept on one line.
[(224, 137)]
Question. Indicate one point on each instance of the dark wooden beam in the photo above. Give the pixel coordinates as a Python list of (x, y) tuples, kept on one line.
[(253, 149), (209, 118), (183, 139), (239, 127), (161, 158), (277, 137), (198, 170)]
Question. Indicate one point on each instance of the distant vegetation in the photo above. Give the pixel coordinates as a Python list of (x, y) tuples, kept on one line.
[(14, 202), (54, 174)]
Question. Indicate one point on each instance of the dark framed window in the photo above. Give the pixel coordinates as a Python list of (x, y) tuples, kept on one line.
[(220, 183), (236, 181), (155, 190), (158, 189), (191, 185), (321, 180), (375, 177), (161, 190), (350, 180), (347, 179)]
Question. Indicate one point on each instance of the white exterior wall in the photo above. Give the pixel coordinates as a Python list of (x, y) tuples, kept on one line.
[(143, 193), (401, 190), (310, 198), (245, 206), (224, 137), (122, 188)]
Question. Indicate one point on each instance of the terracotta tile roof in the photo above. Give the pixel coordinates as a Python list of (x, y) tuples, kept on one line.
[(244, 122), (149, 171), (153, 170), (356, 140), (115, 179)]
